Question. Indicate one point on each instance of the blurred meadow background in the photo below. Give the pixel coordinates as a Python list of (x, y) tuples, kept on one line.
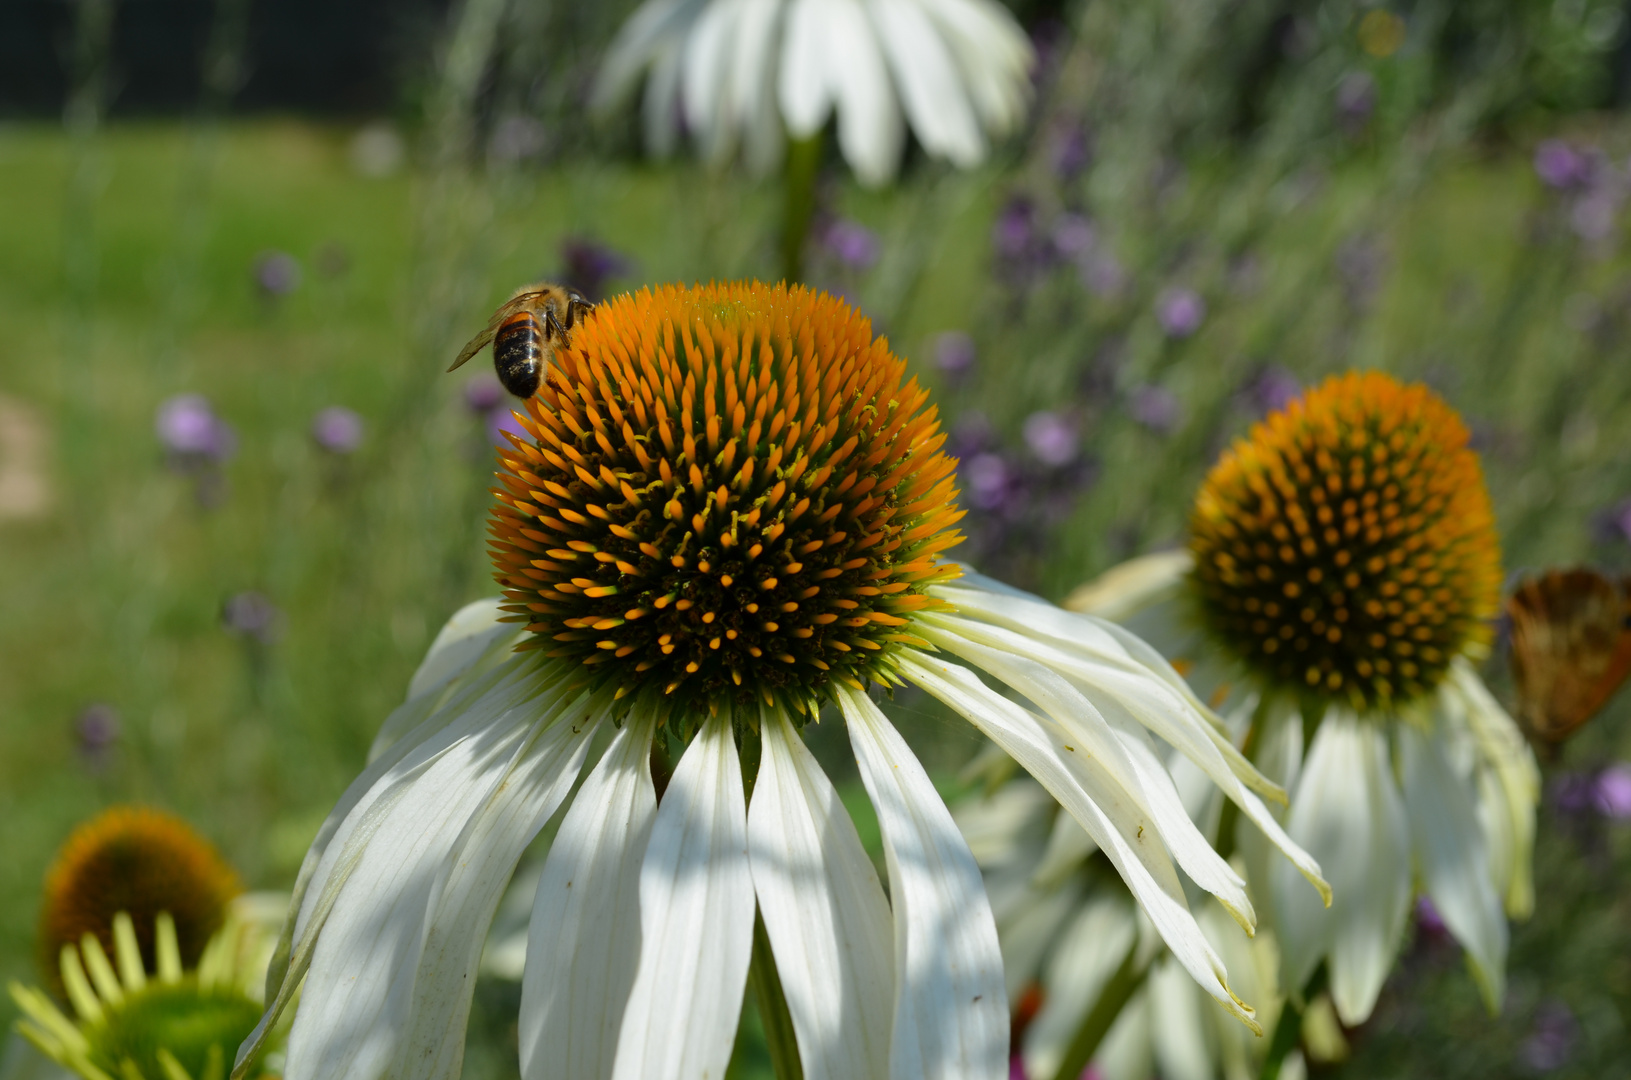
[(239, 495)]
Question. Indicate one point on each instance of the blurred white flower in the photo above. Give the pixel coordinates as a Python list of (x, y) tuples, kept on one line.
[(740, 73)]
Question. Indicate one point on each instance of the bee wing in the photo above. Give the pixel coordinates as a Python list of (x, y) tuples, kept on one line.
[(514, 304)]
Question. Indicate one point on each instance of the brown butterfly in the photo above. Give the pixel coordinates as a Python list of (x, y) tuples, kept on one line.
[(1571, 648)]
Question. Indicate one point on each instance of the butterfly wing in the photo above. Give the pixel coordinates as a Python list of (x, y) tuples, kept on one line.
[(1571, 648)]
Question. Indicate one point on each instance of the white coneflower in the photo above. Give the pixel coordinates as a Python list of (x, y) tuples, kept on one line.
[(741, 72), (728, 512), (1342, 574)]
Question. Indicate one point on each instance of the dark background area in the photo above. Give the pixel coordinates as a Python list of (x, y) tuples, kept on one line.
[(342, 57)]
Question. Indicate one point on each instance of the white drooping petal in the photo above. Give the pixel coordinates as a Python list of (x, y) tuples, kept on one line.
[(751, 96), (1451, 857), (1509, 785), (491, 713), (709, 45), (1346, 811), (1109, 665), (870, 132), (994, 55), (824, 911), (931, 88), (357, 1002), (583, 943), (1081, 785), (1129, 587), (1148, 788), (802, 88), (656, 27), (1087, 954), (1183, 1048), (660, 106), (470, 884), (951, 1011), (696, 920)]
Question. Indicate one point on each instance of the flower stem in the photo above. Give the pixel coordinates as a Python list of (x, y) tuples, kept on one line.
[(799, 186), (1096, 1024), (1288, 1029), (773, 1014)]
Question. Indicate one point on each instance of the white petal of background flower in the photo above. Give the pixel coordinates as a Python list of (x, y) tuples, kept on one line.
[(709, 57), (472, 880), (951, 1011), (825, 913), (1509, 785), (930, 86), (583, 942), (358, 995), (750, 97), (1181, 1049), (1097, 741), (1451, 857), (1347, 812), (1081, 785), (1089, 951), (696, 920), (994, 55)]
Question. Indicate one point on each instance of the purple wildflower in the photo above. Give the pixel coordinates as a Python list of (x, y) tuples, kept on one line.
[(1428, 920), (954, 354), (990, 480), (1551, 1040), (1073, 236), (1561, 166), (1069, 152), (1102, 274), (96, 730), (1157, 408), (189, 429), (483, 393), (1181, 311), (1013, 235), (1611, 792), (502, 420), (1052, 438), (590, 266), (1356, 100), (277, 274), (852, 243), (337, 429), (252, 615), (1272, 389)]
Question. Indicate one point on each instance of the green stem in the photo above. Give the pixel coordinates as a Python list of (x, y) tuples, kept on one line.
[(803, 163), (1288, 1030), (773, 1014), (1096, 1024)]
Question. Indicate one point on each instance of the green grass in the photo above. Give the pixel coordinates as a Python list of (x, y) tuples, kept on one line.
[(115, 596)]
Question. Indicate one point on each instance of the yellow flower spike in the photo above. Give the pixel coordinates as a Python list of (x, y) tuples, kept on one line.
[(100, 969), (167, 949), (127, 953), (1346, 548), (177, 1025), (80, 994)]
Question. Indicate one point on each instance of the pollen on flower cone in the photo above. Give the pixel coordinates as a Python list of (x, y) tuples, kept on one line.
[(729, 493), (1346, 548), (139, 861)]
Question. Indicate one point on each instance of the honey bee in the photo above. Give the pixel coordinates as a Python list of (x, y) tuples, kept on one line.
[(1571, 648), (525, 332)]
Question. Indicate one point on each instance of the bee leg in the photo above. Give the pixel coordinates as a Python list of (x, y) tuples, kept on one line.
[(572, 306), (553, 325)]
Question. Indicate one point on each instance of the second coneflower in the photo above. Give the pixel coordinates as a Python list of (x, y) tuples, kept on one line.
[(728, 513), (1342, 577)]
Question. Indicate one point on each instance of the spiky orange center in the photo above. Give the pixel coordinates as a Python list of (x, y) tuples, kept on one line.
[(730, 493), (1346, 547), (141, 861)]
